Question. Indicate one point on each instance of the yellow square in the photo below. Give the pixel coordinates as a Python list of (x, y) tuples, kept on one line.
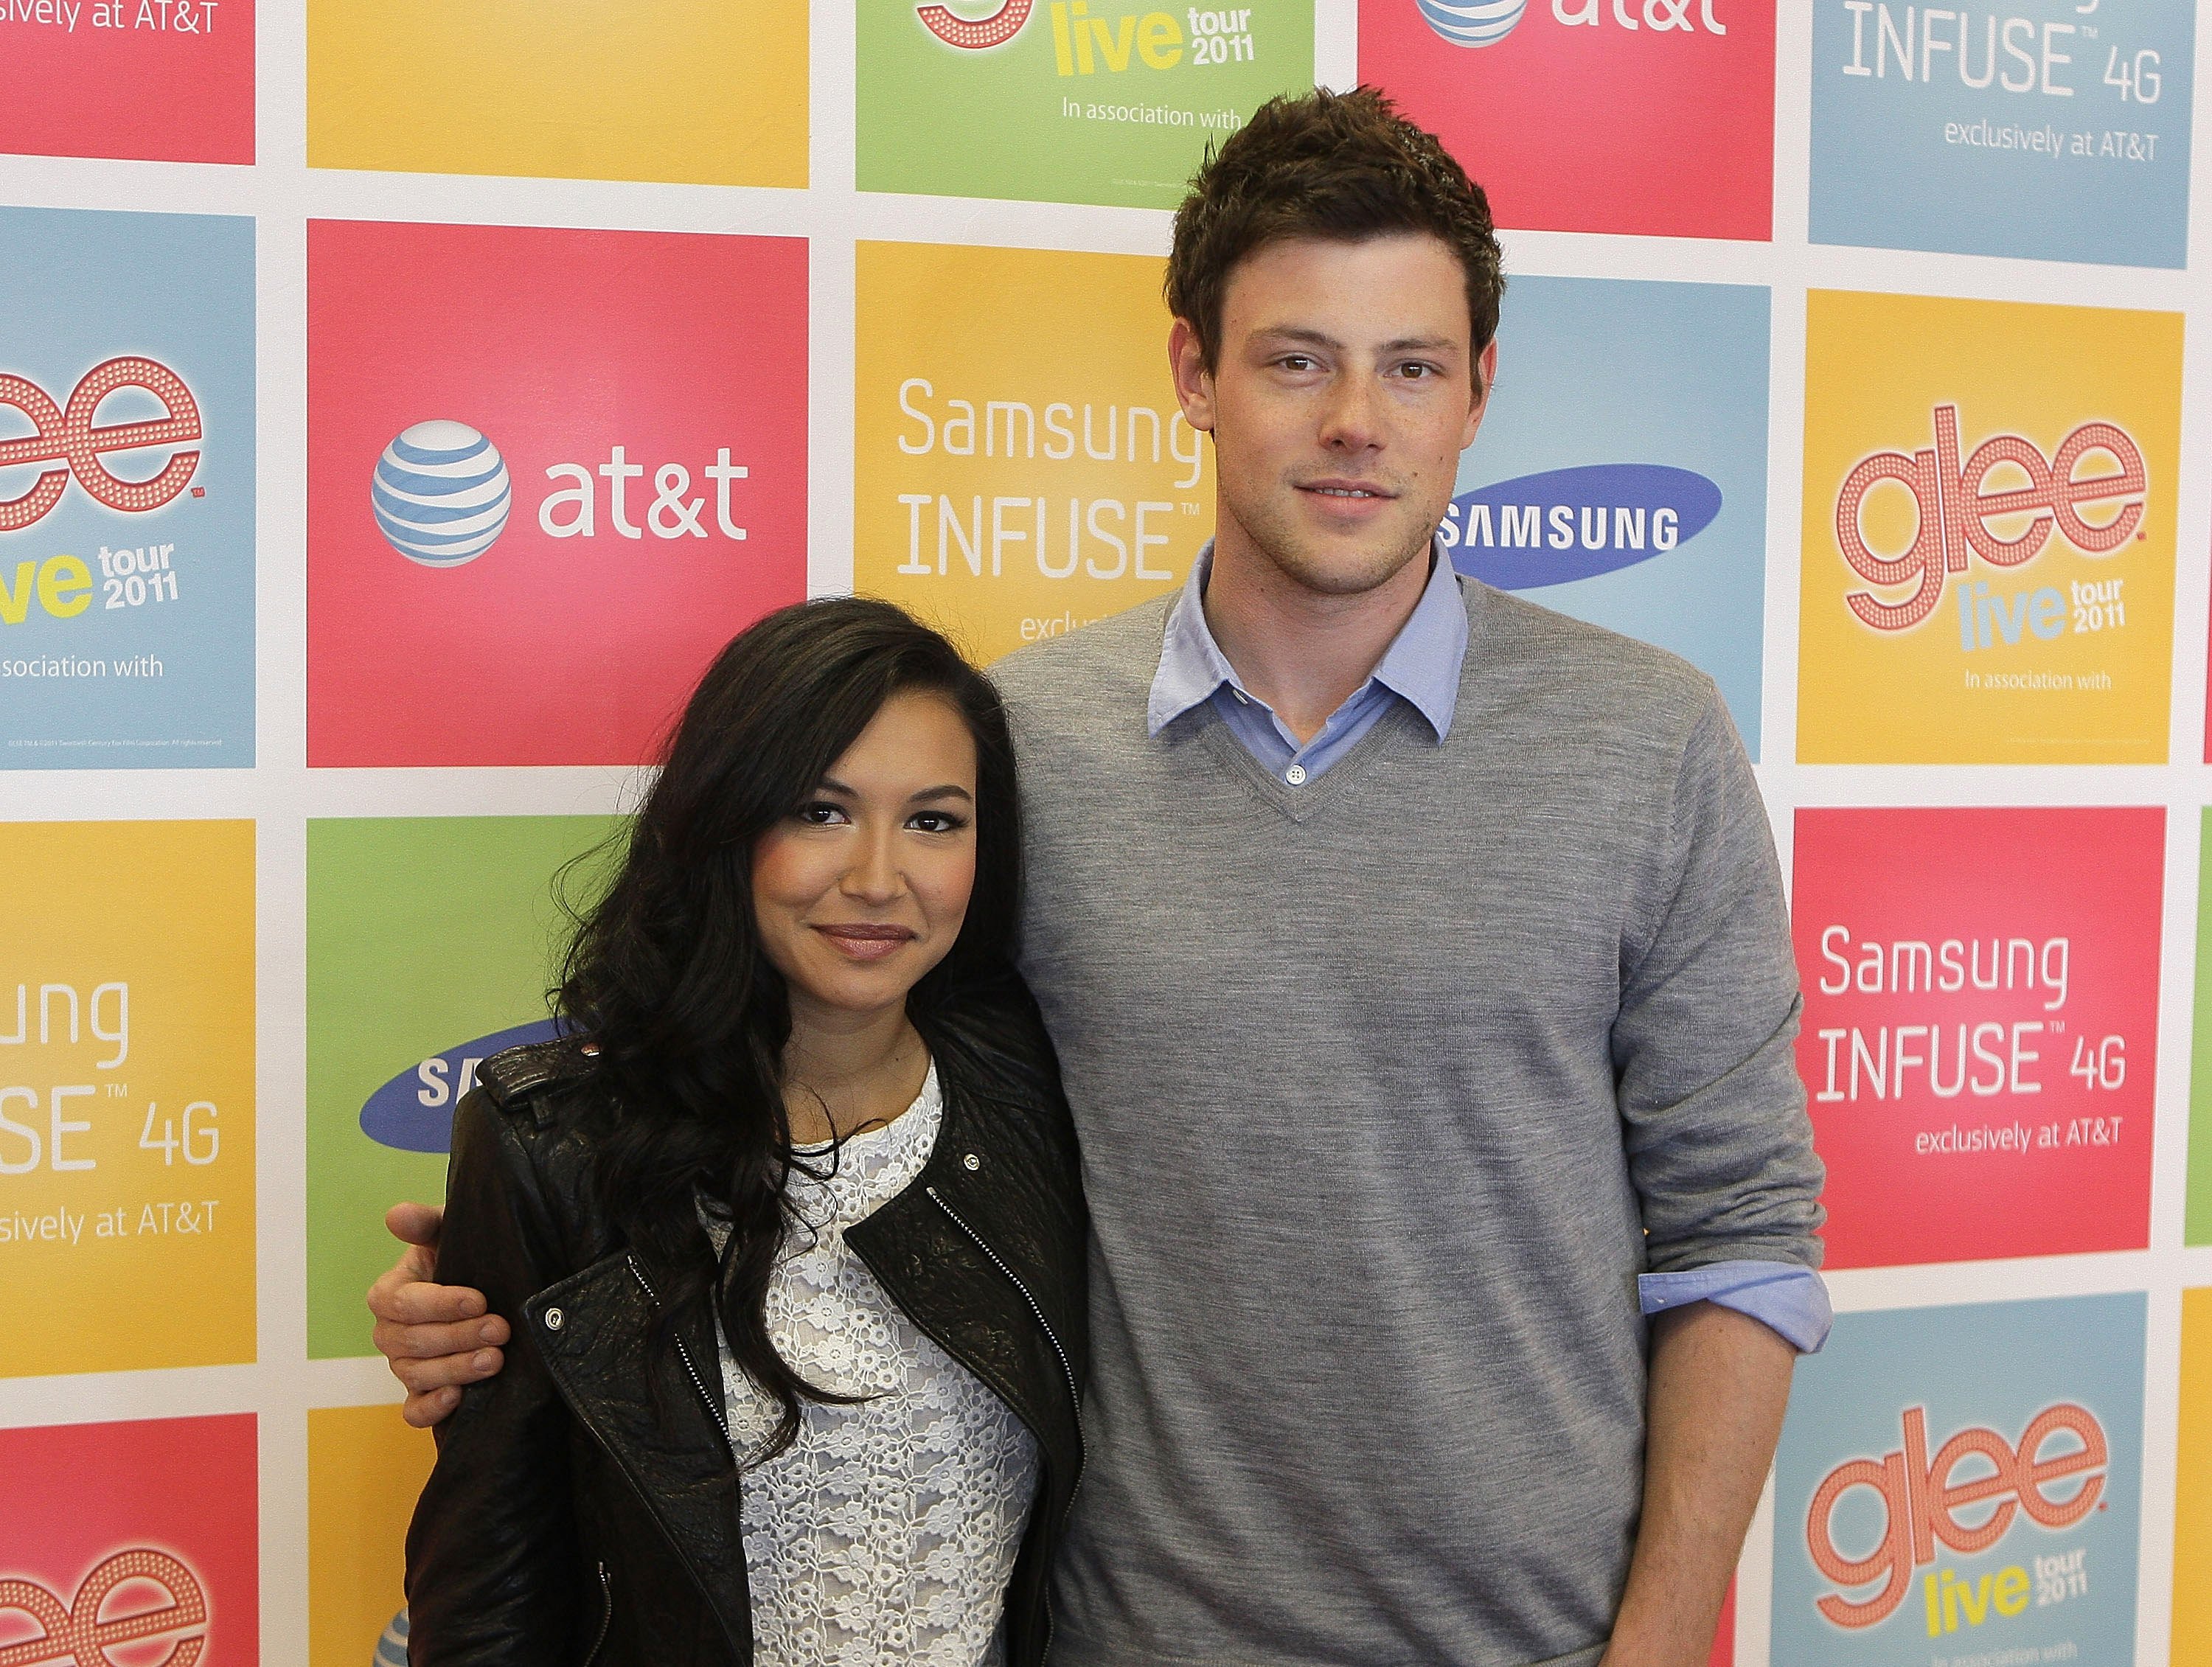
[(127, 1096), (2192, 1516), (365, 1467), (698, 91), (1022, 467), (1988, 532)]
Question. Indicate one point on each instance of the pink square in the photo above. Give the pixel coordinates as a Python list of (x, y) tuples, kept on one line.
[(1981, 1027)]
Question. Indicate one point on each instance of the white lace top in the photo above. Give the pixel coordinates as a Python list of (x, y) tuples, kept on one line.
[(886, 1533)]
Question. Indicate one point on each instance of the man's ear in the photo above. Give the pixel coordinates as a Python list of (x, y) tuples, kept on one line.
[(1485, 368), (1194, 382)]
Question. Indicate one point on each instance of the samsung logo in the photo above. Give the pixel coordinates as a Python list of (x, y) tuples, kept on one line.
[(414, 1111), (1569, 524)]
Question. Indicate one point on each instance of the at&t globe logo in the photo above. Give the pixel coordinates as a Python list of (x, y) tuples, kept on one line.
[(1472, 23), (441, 494)]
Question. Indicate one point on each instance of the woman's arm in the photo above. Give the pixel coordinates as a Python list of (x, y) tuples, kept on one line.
[(493, 1567)]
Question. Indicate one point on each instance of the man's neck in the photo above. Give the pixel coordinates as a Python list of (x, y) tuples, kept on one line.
[(1302, 651)]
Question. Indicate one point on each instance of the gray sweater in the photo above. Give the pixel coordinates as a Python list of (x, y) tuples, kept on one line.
[(1389, 1087)]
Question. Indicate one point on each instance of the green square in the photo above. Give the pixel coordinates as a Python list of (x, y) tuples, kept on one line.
[(1105, 102), (422, 933)]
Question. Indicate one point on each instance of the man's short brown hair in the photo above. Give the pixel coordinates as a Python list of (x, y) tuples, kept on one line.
[(1346, 166)]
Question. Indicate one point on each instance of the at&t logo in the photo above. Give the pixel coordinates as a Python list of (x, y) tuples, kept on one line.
[(2055, 1475), (66, 435), (74, 1635), (442, 495), (1957, 514), (1486, 23)]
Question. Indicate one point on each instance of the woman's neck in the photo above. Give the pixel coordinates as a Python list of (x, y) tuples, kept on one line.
[(844, 1072)]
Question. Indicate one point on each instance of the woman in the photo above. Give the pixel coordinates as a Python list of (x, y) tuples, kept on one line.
[(804, 1121)]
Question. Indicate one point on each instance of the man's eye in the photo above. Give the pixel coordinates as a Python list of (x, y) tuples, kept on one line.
[(1295, 362)]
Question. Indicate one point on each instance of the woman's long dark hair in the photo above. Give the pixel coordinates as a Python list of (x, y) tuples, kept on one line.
[(666, 975)]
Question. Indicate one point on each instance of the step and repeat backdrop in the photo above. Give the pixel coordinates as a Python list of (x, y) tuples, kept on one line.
[(400, 401)]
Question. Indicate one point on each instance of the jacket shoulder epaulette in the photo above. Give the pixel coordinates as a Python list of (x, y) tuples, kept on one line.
[(512, 1075)]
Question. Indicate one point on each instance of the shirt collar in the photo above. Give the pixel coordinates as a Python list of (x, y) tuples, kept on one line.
[(1421, 665)]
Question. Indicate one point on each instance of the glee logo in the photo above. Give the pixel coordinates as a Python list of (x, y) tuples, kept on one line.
[(1920, 1501), (974, 34), (1955, 515), (68, 435), (76, 1635)]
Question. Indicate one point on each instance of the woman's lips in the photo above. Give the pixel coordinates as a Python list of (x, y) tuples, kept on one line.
[(868, 942)]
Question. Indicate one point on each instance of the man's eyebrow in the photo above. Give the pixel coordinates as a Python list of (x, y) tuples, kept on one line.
[(1306, 334)]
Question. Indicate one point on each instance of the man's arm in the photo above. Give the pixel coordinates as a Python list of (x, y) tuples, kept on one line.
[(435, 1337), (1719, 1382)]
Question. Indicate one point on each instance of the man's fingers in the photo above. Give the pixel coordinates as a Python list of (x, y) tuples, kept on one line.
[(424, 1410), (415, 1224), (402, 1298), (447, 1370), (432, 1342)]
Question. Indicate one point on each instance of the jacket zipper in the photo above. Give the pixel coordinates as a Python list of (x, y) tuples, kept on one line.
[(606, 1614), (713, 1407), (1074, 1395)]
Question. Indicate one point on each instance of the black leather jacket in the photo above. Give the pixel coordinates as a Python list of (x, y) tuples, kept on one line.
[(584, 1507)]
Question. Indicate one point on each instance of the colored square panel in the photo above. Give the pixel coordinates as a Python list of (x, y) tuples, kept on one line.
[(126, 490), (1988, 532), (152, 1524), (431, 942), (1654, 117), (2197, 1206), (1980, 1036), (1107, 102), (158, 81), (2043, 129), (549, 476), (1621, 481), (1015, 477), (650, 89), (364, 1466), (1963, 1484), (2192, 1516), (127, 1096)]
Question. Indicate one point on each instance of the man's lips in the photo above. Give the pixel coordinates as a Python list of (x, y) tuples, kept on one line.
[(1347, 491), (867, 941)]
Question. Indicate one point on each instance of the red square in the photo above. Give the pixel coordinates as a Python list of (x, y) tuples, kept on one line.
[(154, 1521), (160, 80), (1981, 1028), (1654, 117), (549, 474)]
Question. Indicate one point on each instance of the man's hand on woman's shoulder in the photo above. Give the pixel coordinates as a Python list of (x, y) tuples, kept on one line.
[(435, 1337)]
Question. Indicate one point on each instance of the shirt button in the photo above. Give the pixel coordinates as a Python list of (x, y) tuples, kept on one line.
[(1242, 699), (1296, 775)]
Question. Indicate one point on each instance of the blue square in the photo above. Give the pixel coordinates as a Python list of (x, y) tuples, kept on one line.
[(2049, 129), (1620, 474), (126, 490), (2031, 1414)]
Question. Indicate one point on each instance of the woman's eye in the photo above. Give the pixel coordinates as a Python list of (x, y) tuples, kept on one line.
[(821, 814), (936, 822)]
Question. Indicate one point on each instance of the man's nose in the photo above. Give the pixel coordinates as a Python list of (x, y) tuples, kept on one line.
[(1352, 419)]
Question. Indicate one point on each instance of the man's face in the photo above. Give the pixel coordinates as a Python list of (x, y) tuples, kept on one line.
[(1341, 397)]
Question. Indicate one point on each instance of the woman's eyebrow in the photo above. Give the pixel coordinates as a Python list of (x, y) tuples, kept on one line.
[(948, 791)]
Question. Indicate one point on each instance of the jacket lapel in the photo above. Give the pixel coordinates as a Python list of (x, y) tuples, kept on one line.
[(649, 1409)]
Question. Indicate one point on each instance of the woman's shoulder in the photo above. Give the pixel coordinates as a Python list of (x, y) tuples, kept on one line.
[(537, 1102), (988, 1038)]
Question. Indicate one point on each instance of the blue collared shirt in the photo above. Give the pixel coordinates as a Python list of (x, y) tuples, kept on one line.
[(1421, 668)]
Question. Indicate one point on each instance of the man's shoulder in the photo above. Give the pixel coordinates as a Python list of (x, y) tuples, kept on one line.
[(1106, 665), (1582, 673)]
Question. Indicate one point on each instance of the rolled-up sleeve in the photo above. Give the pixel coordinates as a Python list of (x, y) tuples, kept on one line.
[(1712, 1112)]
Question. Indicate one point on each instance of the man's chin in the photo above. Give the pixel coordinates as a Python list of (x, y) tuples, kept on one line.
[(1329, 569)]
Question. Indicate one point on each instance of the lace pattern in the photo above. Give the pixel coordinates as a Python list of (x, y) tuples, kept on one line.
[(886, 1533)]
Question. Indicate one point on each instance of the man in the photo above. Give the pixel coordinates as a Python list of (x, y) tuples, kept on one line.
[(1418, 967)]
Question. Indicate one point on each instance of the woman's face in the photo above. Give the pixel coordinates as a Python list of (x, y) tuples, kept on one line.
[(863, 889)]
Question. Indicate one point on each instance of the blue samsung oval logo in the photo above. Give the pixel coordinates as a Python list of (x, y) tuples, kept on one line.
[(1569, 524), (414, 1111)]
